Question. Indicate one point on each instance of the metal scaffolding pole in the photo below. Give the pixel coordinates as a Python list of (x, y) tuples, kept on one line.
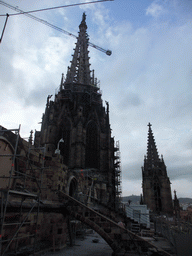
[(28, 174)]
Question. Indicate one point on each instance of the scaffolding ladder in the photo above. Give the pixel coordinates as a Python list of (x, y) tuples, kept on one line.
[(118, 177)]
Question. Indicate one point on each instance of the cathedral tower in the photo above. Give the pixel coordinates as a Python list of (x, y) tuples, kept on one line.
[(156, 184), (77, 124)]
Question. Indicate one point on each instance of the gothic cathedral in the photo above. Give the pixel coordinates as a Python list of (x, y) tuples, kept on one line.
[(77, 124)]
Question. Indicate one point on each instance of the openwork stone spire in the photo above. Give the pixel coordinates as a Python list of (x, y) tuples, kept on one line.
[(79, 72), (152, 154)]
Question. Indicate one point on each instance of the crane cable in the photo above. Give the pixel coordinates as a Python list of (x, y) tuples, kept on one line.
[(108, 52), (4, 27), (50, 8)]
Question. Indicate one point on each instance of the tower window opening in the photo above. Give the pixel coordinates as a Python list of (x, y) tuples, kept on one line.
[(157, 193)]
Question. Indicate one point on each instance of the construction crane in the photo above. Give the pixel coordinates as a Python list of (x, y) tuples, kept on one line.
[(4, 27), (108, 52)]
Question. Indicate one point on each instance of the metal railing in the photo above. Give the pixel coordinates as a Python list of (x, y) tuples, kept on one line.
[(138, 216)]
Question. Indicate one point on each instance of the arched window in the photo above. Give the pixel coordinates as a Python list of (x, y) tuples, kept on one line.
[(73, 187), (91, 154)]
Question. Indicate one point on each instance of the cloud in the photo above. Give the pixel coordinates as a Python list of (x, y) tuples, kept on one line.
[(170, 11), (130, 100), (155, 9)]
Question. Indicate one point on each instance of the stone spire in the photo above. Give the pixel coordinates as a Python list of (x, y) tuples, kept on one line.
[(156, 183), (176, 205), (152, 155), (79, 72)]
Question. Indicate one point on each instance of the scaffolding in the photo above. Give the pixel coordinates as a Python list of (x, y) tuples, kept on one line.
[(20, 191), (118, 176)]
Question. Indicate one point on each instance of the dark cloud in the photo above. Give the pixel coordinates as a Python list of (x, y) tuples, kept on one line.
[(180, 172), (130, 100)]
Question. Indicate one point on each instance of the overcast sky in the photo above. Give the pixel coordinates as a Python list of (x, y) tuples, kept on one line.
[(148, 77)]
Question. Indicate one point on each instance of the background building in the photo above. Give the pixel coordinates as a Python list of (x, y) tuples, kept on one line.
[(156, 183)]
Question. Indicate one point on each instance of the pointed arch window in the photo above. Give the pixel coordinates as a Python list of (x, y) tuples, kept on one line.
[(91, 155), (157, 195)]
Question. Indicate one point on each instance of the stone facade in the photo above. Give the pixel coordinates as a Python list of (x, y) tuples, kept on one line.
[(156, 183), (51, 231)]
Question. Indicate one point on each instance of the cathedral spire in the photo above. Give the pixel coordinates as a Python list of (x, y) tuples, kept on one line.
[(152, 154), (156, 183), (79, 72)]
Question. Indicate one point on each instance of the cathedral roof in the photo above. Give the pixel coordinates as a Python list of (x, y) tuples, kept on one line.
[(79, 71)]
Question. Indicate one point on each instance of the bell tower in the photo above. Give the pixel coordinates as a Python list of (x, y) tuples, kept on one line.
[(78, 119), (156, 183)]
